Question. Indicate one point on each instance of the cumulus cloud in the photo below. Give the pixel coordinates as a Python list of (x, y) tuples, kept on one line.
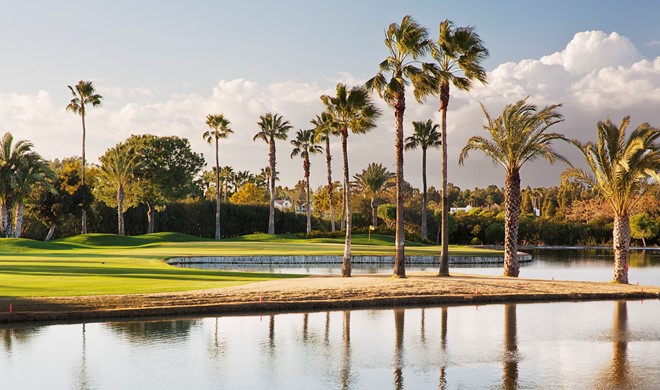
[(595, 76)]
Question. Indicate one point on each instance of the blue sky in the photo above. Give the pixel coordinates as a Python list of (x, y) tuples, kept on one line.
[(162, 64)]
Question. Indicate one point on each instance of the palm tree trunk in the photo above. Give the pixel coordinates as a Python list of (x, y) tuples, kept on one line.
[(19, 220), (346, 266), (120, 209), (309, 209), (217, 192), (423, 234), (511, 221), (151, 218), (328, 162), (271, 211), (51, 231), (374, 211), (621, 239), (82, 177), (444, 204), (342, 224), (5, 218), (400, 259)]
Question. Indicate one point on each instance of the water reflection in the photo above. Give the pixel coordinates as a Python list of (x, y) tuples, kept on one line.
[(605, 345)]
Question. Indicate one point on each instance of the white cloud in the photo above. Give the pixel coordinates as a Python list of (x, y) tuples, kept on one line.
[(597, 75)]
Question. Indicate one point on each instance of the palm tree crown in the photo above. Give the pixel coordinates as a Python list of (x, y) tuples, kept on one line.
[(517, 136), (622, 170)]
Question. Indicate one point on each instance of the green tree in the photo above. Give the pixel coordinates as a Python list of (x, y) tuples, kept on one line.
[(117, 167), (167, 168), (83, 96), (272, 127), (459, 53), (373, 179), (219, 129), (323, 131), (305, 145), (425, 135), (226, 174), (620, 169), (517, 136), (407, 44), (349, 109), (643, 227)]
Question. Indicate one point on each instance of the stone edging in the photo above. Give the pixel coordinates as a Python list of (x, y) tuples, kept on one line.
[(334, 259)]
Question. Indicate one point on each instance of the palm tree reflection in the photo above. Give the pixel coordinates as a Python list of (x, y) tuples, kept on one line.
[(398, 348), (346, 356), (443, 346), (510, 356)]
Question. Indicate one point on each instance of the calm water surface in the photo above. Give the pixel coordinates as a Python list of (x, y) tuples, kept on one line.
[(603, 345), (568, 264)]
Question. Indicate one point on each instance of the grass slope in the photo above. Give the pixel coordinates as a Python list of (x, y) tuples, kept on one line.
[(96, 264)]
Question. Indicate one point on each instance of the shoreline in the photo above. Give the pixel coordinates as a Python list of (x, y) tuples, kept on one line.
[(317, 293)]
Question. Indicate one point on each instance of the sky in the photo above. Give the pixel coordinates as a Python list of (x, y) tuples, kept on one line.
[(162, 66)]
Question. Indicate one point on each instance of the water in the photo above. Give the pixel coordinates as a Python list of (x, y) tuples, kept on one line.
[(589, 265), (525, 346)]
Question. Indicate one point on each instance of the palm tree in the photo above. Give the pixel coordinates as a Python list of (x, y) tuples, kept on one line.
[(219, 129), (459, 53), (31, 172), (620, 172), (373, 179), (407, 44), (425, 136), (272, 127), (226, 173), (349, 109), (305, 145), (323, 131), (117, 166), (517, 136), (83, 95)]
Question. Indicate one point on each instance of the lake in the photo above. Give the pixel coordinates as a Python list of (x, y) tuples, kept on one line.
[(561, 264), (568, 345)]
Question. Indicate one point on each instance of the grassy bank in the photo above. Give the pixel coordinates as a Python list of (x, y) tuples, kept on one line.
[(99, 264)]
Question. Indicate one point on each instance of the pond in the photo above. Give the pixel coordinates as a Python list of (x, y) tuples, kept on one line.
[(568, 345), (561, 264)]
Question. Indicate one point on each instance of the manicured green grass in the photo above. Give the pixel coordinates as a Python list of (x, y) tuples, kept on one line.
[(96, 264)]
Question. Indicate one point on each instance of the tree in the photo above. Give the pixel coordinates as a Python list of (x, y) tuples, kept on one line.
[(517, 136), (226, 173), (83, 95), (305, 145), (250, 194), (373, 179), (32, 172), (167, 168), (643, 227), (407, 44), (323, 131), (349, 109), (219, 129), (621, 170), (117, 167), (459, 53), (425, 136)]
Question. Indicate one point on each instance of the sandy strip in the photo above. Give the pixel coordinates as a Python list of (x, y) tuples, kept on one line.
[(318, 293)]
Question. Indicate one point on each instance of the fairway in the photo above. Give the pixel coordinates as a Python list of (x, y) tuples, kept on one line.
[(100, 264)]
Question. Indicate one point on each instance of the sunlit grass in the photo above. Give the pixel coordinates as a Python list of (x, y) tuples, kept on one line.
[(96, 264)]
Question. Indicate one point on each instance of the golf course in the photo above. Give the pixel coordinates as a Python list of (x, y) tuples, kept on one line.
[(106, 264)]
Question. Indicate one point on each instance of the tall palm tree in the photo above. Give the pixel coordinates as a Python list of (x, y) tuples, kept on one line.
[(323, 131), (31, 172), (620, 170), (349, 109), (219, 129), (305, 145), (425, 136), (83, 95), (407, 44), (459, 53), (373, 179), (272, 127), (517, 136), (117, 167)]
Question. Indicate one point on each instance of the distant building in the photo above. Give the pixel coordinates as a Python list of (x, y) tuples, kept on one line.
[(283, 204), (454, 210)]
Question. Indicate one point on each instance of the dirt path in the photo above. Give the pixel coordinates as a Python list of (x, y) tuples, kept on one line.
[(316, 293)]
